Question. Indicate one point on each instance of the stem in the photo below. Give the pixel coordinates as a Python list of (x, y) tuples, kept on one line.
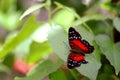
[(110, 29), (74, 75)]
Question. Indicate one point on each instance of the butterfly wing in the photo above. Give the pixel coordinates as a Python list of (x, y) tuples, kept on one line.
[(75, 60), (77, 44)]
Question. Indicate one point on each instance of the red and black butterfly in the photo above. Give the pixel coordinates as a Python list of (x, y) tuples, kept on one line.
[(79, 47)]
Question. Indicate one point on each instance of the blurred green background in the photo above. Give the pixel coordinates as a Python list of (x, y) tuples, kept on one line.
[(34, 40)]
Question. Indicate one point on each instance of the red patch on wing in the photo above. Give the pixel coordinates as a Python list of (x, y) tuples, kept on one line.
[(76, 57), (78, 46)]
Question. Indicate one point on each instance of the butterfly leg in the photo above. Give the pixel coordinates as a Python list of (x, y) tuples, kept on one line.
[(84, 61)]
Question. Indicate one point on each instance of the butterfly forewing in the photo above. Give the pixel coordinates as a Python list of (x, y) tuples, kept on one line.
[(77, 44), (73, 34)]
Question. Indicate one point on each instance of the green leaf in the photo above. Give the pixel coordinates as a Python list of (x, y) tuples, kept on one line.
[(87, 18), (105, 43), (61, 48), (117, 57), (37, 51), (29, 27), (64, 17), (41, 70), (116, 23), (9, 20), (58, 43), (8, 61), (105, 76), (61, 6), (58, 75), (110, 50), (32, 9), (5, 6), (4, 68), (19, 51)]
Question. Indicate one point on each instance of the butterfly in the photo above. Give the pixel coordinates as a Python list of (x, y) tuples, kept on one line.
[(79, 47)]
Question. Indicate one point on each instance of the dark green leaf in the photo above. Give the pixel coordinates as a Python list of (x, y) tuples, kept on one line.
[(58, 75), (111, 50), (4, 68)]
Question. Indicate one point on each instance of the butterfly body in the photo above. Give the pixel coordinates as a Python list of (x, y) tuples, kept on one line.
[(79, 48)]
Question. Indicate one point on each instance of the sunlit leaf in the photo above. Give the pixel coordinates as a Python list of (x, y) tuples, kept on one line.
[(29, 27), (37, 51), (10, 20), (64, 17), (23, 48)]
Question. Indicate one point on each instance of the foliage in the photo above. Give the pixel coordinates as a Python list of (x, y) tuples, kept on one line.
[(96, 21)]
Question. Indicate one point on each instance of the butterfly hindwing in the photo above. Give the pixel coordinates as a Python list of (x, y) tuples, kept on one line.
[(75, 60)]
